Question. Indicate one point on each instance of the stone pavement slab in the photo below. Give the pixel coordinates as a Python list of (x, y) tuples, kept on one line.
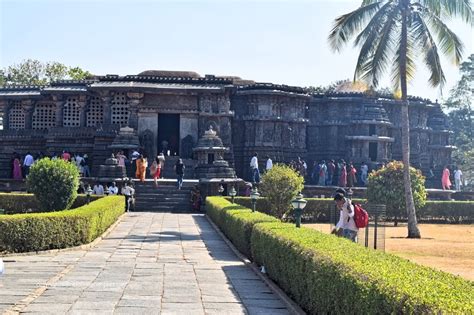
[(150, 263)]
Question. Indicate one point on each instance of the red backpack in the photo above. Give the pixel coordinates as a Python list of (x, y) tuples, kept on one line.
[(361, 217)]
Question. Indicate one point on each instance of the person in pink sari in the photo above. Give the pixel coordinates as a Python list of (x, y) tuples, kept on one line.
[(343, 177), (445, 182), (17, 169)]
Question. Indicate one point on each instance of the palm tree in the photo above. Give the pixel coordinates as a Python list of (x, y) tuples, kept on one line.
[(391, 34)]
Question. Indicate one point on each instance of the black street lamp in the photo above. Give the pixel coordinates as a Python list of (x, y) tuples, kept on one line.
[(298, 205), (232, 193), (254, 197)]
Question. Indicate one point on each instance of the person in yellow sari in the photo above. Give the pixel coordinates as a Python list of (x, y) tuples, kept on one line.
[(142, 165)]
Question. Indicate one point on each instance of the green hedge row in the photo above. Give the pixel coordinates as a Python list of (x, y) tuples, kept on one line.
[(319, 210), (52, 230), (26, 203), (329, 275)]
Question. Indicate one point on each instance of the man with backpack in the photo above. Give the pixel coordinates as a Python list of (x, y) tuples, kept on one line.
[(346, 218)]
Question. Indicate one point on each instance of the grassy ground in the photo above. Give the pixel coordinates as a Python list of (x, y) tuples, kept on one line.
[(446, 247)]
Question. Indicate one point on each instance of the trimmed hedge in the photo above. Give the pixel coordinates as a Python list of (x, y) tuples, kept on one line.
[(319, 210), (52, 230), (27, 203), (235, 221), (326, 274)]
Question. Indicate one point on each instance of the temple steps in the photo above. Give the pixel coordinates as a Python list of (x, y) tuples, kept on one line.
[(164, 198)]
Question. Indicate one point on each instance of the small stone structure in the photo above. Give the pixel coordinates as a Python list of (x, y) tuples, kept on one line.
[(111, 171)]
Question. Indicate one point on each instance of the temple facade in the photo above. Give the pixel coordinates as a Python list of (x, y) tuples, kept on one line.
[(169, 111)]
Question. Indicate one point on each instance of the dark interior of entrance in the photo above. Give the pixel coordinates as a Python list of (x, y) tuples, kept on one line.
[(168, 133), (373, 151)]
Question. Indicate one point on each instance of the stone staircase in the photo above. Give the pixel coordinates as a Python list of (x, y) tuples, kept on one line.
[(165, 198)]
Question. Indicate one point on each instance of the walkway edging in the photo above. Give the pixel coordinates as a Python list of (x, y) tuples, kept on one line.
[(79, 247), (290, 304)]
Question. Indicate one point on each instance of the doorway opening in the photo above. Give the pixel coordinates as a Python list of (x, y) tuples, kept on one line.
[(168, 134), (373, 151)]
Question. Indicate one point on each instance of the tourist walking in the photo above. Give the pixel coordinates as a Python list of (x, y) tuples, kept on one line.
[(458, 179), (331, 171), (85, 166), (17, 174), (155, 170), (343, 175), (27, 162), (142, 165), (133, 161), (254, 168), (445, 181), (346, 218), (269, 164), (322, 173), (351, 176), (364, 171), (179, 169), (79, 164), (121, 158), (161, 159), (128, 191)]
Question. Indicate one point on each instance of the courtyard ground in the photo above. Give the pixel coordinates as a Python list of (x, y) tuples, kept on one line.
[(448, 247)]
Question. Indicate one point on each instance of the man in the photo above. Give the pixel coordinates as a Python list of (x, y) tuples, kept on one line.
[(254, 168), (458, 179), (98, 189), (269, 164), (179, 169), (346, 218), (27, 163), (128, 192), (113, 190), (364, 170)]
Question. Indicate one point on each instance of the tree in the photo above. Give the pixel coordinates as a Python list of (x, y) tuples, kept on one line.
[(35, 72), (54, 183), (280, 185), (460, 109), (391, 34), (392, 176)]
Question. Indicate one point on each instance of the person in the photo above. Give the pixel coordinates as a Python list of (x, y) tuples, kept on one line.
[(269, 164), (133, 161), (121, 158), (128, 191), (364, 171), (315, 174), (458, 179), (85, 165), (155, 170), (17, 174), (161, 159), (331, 170), (66, 156), (322, 173), (196, 198), (254, 168), (142, 165), (179, 169), (351, 173), (27, 162), (79, 164), (113, 189), (98, 189), (343, 176), (445, 181), (346, 221)]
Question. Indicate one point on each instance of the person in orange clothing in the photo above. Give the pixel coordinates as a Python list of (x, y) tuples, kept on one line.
[(142, 165)]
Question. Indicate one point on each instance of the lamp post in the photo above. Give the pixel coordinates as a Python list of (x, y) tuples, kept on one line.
[(220, 189), (254, 196), (298, 205), (88, 194), (232, 193)]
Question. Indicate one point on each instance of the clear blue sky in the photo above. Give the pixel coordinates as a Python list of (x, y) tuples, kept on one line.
[(269, 41)]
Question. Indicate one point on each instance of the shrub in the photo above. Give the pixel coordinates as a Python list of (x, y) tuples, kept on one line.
[(27, 203), (326, 274), (385, 186), (280, 185), (54, 183), (42, 231)]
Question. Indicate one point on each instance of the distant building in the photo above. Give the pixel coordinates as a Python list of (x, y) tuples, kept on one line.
[(170, 111)]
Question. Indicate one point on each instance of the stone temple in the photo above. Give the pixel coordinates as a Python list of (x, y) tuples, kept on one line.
[(172, 110)]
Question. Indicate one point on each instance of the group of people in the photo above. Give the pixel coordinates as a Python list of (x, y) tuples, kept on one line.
[(446, 178), (338, 174), (20, 166)]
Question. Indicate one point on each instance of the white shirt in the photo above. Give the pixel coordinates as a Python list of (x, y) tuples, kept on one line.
[(98, 190), (128, 191), (254, 162), (457, 174), (364, 169), (28, 160), (113, 190), (135, 155), (346, 219), (269, 164)]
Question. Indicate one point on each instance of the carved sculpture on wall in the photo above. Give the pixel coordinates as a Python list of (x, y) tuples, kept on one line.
[(146, 143), (187, 144)]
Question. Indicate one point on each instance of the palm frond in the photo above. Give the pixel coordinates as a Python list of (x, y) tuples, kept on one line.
[(375, 23), (410, 62), (449, 42), (458, 8), (346, 25), (429, 50)]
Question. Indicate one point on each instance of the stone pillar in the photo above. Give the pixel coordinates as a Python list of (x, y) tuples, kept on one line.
[(29, 107), (58, 100), (106, 102), (82, 103), (134, 101)]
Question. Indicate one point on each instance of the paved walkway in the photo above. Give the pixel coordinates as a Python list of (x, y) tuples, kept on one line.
[(151, 263)]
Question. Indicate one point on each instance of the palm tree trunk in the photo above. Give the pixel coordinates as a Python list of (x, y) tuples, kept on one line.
[(413, 231)]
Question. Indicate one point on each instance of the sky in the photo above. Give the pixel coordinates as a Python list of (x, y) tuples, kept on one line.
[(283, 42)]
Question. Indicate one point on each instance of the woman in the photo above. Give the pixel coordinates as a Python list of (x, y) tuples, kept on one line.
[(343, 177), (121, 158), (445, 182), (17, 168), (155, 170), (352, 180), (142, 165)]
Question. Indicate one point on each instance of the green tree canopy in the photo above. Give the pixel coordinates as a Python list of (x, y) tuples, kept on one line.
[(35, 72)]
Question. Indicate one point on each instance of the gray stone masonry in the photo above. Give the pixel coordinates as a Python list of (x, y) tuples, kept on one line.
[(150, 263)]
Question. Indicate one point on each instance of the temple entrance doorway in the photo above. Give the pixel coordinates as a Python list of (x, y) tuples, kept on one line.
[(373, 151), (168, 134)]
